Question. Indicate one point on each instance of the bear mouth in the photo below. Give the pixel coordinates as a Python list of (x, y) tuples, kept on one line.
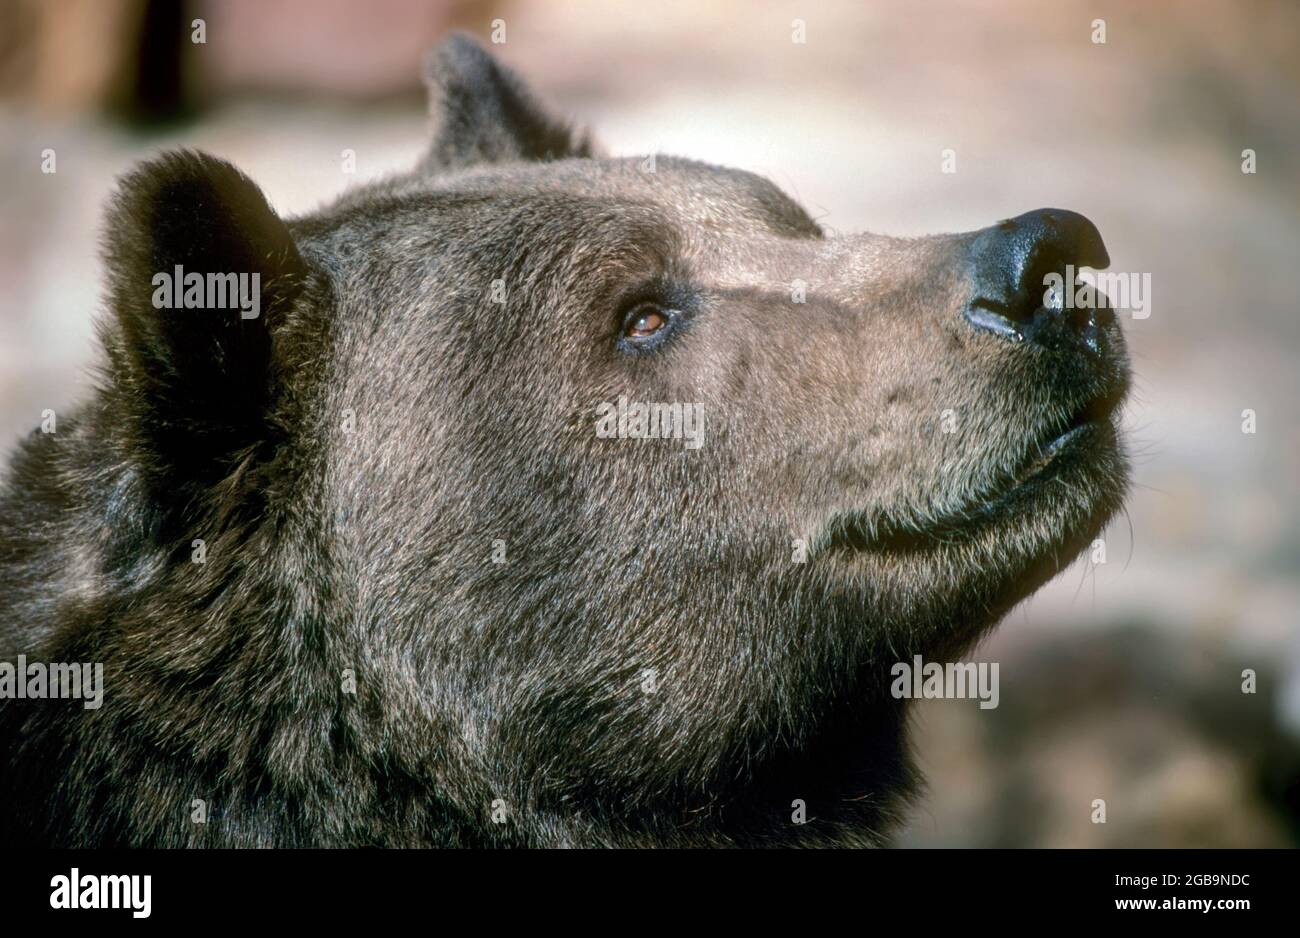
[(1057, 457)]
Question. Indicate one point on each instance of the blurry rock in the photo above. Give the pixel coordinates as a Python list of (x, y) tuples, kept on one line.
[(66, 56), (1153, 724)]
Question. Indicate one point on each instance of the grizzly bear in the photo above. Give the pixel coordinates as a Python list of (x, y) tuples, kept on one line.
[(531, 498)]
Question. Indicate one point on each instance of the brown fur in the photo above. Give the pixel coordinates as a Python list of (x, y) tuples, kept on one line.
[(352, 457)]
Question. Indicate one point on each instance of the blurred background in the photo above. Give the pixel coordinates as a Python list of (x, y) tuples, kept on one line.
[(1120, 681)]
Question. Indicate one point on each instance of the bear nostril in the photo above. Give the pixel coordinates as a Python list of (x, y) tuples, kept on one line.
[(992, 316), (1011, 267)]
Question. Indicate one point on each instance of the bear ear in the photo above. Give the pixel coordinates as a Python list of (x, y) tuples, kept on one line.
[(200, 271), (483, 113)]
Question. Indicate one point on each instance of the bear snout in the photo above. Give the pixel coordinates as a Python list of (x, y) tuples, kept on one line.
[(1023, 272)]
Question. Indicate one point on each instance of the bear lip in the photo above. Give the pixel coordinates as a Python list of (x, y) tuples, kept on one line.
[(1047, 452), (1050, 455)]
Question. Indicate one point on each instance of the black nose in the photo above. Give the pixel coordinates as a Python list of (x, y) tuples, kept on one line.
[(1011, 264)]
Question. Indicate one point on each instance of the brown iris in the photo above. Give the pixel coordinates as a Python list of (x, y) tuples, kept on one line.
[(645, 321)]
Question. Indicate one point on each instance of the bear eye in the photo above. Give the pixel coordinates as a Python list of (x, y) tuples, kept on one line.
[(644, 321)]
